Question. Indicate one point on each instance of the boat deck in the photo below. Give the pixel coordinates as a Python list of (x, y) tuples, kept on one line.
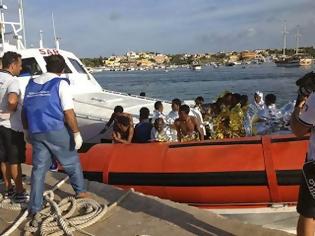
[(139, 214)]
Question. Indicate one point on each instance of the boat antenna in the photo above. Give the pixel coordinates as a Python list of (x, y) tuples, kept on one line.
[(41, 44), (284, 32), (2, 25), (298, 36), (56, 39), (22, 21)]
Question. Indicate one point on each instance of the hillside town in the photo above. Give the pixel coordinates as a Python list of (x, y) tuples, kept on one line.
[(153, 60)]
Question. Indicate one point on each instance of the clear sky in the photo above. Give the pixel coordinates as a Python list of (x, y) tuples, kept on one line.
[(94, 28)]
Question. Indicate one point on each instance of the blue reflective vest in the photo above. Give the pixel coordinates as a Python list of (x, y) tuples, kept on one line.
[(42, 106)]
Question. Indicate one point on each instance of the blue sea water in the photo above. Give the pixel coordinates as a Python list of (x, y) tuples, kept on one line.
[(209, 82)]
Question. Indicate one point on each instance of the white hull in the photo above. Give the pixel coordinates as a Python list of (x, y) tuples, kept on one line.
[(306, 62), (196, 67), (93, 110)]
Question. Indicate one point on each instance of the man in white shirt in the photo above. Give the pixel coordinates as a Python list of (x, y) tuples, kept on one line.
[(171, 117), (196, 113), (158, 112), (12, 145), (173, 114), (302, 122)]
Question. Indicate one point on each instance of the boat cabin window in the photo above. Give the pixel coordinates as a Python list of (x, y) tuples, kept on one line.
[(79, 68), (30, 67), (67, 69)]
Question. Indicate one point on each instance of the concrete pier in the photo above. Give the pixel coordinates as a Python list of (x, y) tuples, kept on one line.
[(140, 214)]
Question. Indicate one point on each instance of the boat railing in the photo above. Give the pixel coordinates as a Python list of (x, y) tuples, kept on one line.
[(17, 28), (105, 100), (90, 117), (92, 104), (135, 96)]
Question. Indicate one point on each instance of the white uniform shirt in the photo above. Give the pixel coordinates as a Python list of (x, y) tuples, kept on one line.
[(196, 113), (10, 84), (307, 116), (157, 114), (170, 119), (64, 90)]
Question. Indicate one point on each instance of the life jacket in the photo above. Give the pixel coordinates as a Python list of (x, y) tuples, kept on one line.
[(42, 106)]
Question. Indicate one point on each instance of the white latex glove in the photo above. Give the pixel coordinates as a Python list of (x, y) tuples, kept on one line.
[(77, 140), (27, 137)]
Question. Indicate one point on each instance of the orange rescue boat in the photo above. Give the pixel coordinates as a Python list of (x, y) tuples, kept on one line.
[(249, 171)]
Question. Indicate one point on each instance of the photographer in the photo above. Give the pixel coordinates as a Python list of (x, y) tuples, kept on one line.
[(302, 122)]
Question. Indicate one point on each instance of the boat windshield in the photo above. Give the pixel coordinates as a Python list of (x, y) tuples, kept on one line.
[(30, 67), (67, 69), (78, 67)]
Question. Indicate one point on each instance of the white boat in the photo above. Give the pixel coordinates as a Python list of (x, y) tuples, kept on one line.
[(93, 104), (306, 61), (294, 61), (297, 59), (196, 67), (96, 70), (288, 62)]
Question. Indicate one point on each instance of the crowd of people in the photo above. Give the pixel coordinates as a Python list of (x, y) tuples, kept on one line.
[(230, 116), (45, 118), (181, 124)]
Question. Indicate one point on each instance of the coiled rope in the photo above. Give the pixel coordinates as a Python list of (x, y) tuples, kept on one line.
[(62, 218), (9, 205)]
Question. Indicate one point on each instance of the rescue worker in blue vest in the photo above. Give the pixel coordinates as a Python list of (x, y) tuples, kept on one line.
[(51, 127)]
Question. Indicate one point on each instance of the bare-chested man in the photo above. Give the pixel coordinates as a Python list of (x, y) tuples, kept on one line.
[(188, 127), (118, 110), (123, 129)]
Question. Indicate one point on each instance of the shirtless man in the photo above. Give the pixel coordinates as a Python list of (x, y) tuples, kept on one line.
[(118, 110), (123, 129), (188, 127)]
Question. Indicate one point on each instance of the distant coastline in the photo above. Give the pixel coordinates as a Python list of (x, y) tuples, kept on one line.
[(151, 60)]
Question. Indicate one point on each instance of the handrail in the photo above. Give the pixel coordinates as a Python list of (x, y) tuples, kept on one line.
[(135, 96), (89, 117)]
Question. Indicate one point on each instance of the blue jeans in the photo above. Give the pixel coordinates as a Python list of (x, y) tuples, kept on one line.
[(60, 144)]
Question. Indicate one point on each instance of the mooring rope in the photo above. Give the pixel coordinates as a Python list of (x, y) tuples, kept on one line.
[(62, 218)]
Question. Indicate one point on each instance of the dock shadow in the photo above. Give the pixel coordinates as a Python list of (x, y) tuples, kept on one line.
[(138, 203), (157, 208)]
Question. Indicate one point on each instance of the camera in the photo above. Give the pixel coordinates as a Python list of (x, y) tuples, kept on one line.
[(306, 86)]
